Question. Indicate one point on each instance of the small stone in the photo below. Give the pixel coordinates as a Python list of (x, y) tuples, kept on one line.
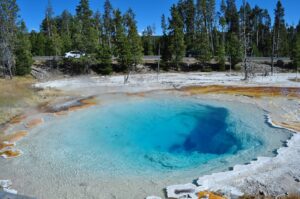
[(11, 191), (153, 197), (261, 193), (83, 184)]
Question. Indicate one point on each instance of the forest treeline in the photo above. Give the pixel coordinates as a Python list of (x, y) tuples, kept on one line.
[(193, 29)]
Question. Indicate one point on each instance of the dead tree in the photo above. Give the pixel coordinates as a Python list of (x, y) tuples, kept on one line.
[(8, 29), (273, 51), (8, 61), (158, 63), (245, 43), (127, 75), (7, 57)]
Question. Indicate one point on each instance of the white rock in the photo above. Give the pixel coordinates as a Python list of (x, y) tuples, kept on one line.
[(11, 191), (182, 191), (5, 183), (153, 197)]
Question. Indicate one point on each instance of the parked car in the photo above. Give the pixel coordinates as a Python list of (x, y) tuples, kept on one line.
[(74, 54)]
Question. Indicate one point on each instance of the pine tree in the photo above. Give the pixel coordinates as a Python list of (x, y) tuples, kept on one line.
[(187, 11), (98, 27), (296, 57), (86, 37), (279, 36), (103, 53), (293, 40), (48, 21), (164, 25), (265, 35), (108, 23), (232, 17), (222, 19), (279, 25), (134, 39), (8, 29), (104, 57), (65, 31), (148, 41), (211, 14), (234, 49), (37, 41), (166, 55), (202, 46), (245, 38), (23, 51), (176, 34), (256, 16), (122, 49), (221, 56), (247, 28), (53, 42)]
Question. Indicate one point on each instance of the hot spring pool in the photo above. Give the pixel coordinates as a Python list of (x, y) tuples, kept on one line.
[(172, 139), (160, 134)]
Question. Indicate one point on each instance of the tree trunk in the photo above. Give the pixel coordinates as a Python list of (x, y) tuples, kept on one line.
[(9, 69), (230, 66), (246, 68), (245, 42), (257, 38), (158, 65), (223, 35), (273, 53), (109, 42), (126, 77), (211, 41), (277, 43)]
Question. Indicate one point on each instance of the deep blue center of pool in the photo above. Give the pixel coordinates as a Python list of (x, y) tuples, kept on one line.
[(210, 133)]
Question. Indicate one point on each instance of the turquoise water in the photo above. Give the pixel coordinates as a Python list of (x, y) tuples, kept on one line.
[(158, 134)]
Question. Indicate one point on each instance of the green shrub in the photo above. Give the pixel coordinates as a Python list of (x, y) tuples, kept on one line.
[(23, 52), (237, 67), (76, 66), (207, 69), (280, 63), (104, 61)]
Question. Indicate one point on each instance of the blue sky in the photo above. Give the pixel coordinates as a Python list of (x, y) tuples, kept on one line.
[(148, 12)]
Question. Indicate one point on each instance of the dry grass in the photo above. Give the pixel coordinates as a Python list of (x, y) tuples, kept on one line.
[(13, 91), (17, 94), (257, 92)]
